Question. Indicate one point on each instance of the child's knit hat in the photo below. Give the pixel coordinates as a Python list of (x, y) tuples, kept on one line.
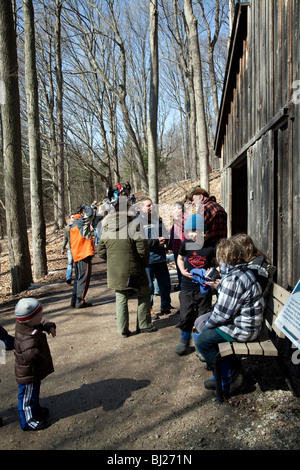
[(27, 308)]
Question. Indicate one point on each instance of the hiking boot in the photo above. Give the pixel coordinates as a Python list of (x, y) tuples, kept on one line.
[(69, 281), (228, 387), (83, 305), (165, 311), (154, 315), (234, 385), (210, 384), (182, 347), (151, 329), (126, 334)]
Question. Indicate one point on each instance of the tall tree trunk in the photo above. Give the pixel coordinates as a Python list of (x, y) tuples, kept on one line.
[(153, 104), (68, 183), (186, 68), (59, 117), (19, 256), (192, 116), (36, 194), (212, 37), (203, 150)]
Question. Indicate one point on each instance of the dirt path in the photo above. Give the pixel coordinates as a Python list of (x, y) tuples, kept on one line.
[(111, 393)]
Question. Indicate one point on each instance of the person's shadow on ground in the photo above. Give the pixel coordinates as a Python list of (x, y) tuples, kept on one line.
[(109, 394)]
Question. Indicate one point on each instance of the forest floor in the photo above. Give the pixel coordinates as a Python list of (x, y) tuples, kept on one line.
[(132, 394)]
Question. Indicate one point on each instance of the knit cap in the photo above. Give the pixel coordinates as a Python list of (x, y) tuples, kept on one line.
[(27, 308)]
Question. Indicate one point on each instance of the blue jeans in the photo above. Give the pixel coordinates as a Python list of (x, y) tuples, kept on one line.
[(70, 265), (96, 235), (161, 272), (207, 344)]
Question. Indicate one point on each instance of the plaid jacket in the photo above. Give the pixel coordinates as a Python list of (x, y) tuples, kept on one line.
[(215, 218), (238, 311)]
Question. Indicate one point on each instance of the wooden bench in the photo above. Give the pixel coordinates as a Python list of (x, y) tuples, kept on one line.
[(264, 346)]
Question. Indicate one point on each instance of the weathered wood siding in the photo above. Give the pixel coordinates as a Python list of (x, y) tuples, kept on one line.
[(260, 121)]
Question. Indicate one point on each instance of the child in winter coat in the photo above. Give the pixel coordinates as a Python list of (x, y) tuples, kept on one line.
[(33, 361)]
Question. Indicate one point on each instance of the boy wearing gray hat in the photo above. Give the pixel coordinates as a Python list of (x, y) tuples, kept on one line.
[(33, 361)]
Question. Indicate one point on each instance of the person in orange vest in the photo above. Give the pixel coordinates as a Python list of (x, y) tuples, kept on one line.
[(82, 248)]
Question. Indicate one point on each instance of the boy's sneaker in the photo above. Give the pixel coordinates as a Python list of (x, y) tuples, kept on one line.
[(39, 427)]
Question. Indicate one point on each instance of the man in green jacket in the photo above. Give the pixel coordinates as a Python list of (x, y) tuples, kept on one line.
[(126, 259)]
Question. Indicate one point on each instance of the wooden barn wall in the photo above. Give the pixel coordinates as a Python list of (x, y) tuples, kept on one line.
[(295, 144), (261, 118), (265, 71), (260, 184)]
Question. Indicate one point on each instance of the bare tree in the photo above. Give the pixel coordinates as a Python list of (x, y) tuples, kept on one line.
[(213, 32), (177, 30), (36, 194), (153, 103), (108, 27), (59, 117), (45, 70), (19, 255), (195, 59)]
